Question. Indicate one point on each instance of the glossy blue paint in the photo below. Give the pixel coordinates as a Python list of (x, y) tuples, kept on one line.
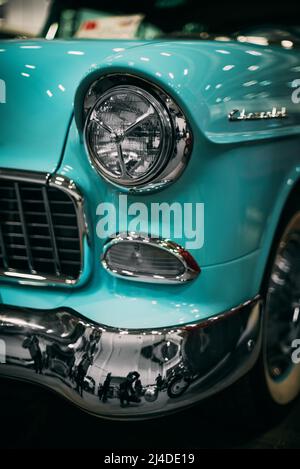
[(41, 78), (242, 171), (210, 79)]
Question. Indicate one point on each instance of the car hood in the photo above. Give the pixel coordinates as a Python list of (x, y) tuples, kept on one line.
[(38, 80)]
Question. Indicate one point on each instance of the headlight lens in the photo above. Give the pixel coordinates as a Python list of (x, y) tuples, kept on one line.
[(126, 135), (136, 138)]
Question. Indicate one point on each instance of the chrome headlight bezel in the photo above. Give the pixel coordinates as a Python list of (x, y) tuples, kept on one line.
[(176, 134)]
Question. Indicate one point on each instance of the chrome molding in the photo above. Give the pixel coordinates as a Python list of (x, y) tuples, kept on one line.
[(129, 373), (192, 270), (64, 184), (176, 151)]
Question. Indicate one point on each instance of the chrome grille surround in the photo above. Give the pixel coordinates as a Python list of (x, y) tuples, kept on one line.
[(47, 187)]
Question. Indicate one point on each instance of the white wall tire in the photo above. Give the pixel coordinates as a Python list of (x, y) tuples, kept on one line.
[(282, 317)]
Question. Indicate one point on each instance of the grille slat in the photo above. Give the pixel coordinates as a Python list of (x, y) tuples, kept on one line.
[(17, 246), (3, 250), (39, 231), (13, 223), (51, 231), (24, 227)]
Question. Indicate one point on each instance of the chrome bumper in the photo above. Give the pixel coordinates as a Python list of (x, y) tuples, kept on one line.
[(128, 374)]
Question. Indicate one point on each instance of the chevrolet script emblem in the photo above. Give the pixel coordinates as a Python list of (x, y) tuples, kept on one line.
[(237, 115)]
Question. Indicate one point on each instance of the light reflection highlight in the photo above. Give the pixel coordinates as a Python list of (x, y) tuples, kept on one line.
[(75, 52), (228, 67)]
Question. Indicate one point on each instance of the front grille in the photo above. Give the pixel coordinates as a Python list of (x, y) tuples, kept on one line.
[(39, 234)]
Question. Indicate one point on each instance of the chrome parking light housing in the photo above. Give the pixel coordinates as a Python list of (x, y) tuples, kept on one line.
[(142, 258)]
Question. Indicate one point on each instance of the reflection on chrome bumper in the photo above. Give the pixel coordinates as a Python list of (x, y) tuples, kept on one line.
[(118, 373)]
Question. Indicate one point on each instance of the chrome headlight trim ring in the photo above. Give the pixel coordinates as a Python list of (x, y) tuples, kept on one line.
[(177, 135)]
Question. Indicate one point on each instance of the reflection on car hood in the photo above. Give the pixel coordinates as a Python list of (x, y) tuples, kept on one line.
[(38, 82)]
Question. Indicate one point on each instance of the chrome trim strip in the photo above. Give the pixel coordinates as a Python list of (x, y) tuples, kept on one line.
[(192, 270), (175, 153), (64, 184), (21, 176), (72, 355)]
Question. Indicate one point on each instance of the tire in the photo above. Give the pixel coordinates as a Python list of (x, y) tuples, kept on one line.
[(282, 318), (267, 392)]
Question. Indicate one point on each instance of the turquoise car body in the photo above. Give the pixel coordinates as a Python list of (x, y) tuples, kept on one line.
[(243, 172), (201, 335)]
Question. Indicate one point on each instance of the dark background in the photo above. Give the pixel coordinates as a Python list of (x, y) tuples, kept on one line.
[(32, 417)]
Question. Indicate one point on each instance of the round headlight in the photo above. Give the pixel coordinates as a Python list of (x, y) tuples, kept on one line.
[(133, 137)]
